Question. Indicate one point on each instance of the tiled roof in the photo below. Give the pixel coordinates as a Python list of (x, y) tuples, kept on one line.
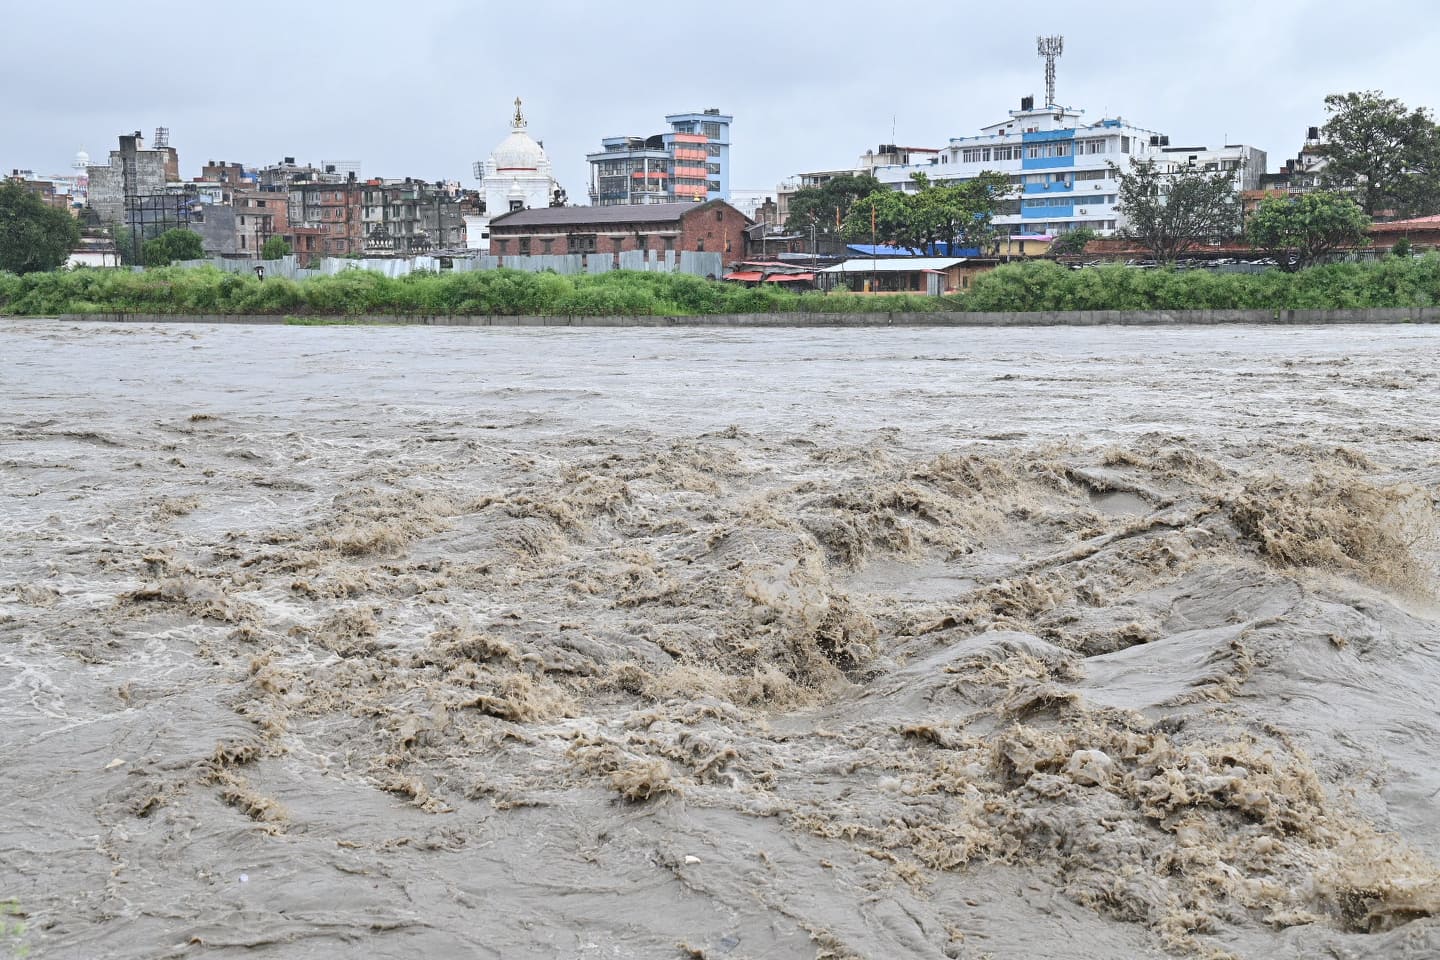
[(615, 213), (1418, 223)]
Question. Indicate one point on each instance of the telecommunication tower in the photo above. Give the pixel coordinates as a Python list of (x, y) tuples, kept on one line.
[(1050, 48)]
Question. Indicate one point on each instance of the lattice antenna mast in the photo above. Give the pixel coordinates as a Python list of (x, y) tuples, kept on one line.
[(1050, 48)]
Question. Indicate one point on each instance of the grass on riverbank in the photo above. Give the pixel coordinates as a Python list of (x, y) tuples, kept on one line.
[(1044, 285), (1015, 288), (483, 293)]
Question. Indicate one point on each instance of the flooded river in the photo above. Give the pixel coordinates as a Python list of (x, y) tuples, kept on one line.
[(631, 643)]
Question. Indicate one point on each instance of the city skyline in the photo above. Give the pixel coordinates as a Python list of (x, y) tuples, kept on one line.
[(806, 93)]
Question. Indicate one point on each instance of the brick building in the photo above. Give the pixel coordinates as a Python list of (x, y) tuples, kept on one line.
[(325, 219), (713, 227)]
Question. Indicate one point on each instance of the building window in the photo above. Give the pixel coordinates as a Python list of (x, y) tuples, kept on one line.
[(669, 243), (581, 243), (700, 245), (524, 246), (547, 243), (517, 205)]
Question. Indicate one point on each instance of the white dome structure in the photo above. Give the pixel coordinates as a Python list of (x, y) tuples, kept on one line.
[(519, 153), (518, 176), (81, 161)]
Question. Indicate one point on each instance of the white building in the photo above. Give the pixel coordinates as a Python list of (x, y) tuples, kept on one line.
[(518, 176), (1061, 166)]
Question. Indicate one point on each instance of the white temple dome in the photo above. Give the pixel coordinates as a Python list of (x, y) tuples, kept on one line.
[(518, 151)]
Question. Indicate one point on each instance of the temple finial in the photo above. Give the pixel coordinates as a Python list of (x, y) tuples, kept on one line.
[(519, 121)]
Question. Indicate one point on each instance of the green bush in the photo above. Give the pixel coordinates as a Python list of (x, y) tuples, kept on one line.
[(1014, 288)]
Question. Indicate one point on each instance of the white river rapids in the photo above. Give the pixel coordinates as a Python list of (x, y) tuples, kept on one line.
[(880, 643)]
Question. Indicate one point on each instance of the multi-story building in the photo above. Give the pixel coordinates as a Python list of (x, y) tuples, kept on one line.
[(1063, 168), (1244, 164), (1302, 174), (287, 171), (690, 161), (325, 219), (885, 155), (51, 193), (132, 173), (1059, 165), (409, 217)]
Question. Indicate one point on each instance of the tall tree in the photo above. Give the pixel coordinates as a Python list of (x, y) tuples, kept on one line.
[(172, 245), (959, 214), (33, 236), (1299, 231), (1172, 213), (1384, 151), (829, 203)]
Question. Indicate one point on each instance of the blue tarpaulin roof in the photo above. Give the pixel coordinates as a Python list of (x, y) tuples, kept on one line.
[(933, 250)]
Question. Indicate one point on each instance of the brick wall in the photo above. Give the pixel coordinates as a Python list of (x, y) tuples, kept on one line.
[(710, 228), (715, 228)]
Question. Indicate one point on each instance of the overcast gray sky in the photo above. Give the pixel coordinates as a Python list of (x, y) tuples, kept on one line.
[(423, 88)]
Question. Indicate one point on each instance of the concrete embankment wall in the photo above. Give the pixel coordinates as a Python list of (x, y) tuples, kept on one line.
[(1079, 318)]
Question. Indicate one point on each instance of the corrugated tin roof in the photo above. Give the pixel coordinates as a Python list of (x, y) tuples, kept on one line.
[(615, 213), (899, 265)]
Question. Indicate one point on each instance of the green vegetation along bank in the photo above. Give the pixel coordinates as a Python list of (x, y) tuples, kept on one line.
[(1017, 288)]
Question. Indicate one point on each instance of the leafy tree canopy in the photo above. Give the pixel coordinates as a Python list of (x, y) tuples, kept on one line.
[(1299, 231), (275, 248), (170, 246), (33, 237), (1384, 151), (1171, 213), (1072, 242), (960, 213), (819, 205)]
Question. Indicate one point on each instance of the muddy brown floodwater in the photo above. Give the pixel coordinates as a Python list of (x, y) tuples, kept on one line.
[(405, 642)]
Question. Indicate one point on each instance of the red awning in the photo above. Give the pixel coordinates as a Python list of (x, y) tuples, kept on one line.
[(744, 276), (790, 278)]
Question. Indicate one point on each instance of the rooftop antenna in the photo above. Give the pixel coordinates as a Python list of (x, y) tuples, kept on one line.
[(1050, 48)]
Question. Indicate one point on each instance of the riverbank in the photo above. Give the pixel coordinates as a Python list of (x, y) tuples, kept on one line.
[(1043, 292), (953, 318)]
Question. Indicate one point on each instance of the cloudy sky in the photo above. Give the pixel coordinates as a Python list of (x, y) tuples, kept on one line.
[(424, 88)]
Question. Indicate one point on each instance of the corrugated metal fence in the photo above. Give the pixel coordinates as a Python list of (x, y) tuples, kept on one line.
[(697, 264)]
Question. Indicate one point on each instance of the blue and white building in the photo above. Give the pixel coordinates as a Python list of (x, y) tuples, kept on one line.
[(1061, 166)]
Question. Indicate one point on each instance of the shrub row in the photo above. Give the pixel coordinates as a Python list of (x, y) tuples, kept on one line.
[(1014, 288), (1044, 285), (207, 290)]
